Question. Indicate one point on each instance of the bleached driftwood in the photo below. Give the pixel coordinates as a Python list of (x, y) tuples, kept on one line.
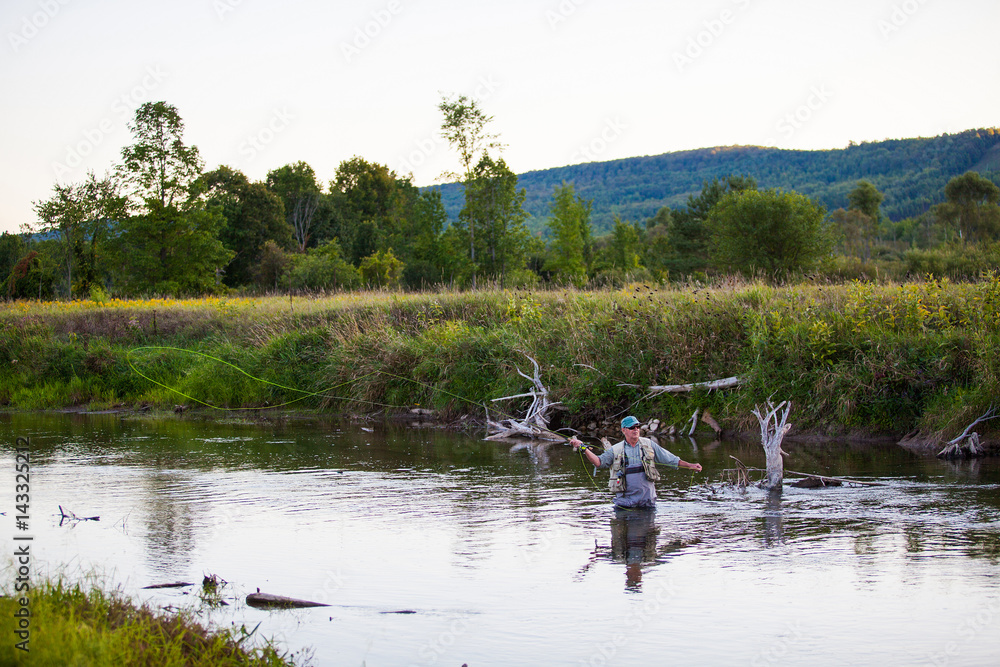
[(966, 445), (694, 422), (535, 424), (656, 390), (773, 427)]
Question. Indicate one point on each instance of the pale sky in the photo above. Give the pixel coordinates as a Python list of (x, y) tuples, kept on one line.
[(262, 83)]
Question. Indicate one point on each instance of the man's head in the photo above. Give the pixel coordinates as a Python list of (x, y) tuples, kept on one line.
[(630, 428)]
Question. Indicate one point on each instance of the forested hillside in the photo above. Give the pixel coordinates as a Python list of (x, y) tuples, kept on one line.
[(911, 173)]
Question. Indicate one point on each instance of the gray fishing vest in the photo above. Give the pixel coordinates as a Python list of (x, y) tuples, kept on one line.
[(617, 482)]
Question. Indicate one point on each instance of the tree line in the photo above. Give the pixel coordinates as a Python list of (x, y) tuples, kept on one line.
[(158, 223)]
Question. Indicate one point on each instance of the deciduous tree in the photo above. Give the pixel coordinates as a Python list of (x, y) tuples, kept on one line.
[(82, 216), (253, 216), (571, 242), (767, 231), (464, 127), (172, 246), (972, 207), (300, 192), (866, 199), (494, 204)]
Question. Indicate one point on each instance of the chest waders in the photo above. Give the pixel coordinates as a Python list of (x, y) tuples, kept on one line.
[(620, 467)]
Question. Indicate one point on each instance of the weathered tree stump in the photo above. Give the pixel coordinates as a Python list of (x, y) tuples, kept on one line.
[(773, 427)]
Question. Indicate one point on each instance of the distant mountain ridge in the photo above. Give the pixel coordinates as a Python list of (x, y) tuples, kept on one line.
[(911, 173)]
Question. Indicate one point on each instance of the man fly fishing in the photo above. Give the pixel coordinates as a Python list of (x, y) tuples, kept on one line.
[(633, 466)]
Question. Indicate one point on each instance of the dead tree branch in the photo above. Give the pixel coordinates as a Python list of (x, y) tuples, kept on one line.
[(656, 390), (966, 445), (535, 424)]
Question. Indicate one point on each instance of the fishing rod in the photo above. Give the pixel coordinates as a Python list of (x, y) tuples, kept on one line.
[(323, 393)]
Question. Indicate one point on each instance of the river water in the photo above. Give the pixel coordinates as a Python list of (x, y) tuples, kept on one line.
[(436, 548)]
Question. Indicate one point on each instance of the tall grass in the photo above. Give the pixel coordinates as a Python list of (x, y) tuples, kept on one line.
[(77, 624), (858, 357)]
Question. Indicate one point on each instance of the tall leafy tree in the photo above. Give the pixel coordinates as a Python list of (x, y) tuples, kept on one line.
[(82, 216), (159, 165), (172, 245), (689, 235), (851, 226), (767, 231), (495, 205), (571, 242), (625, 248), (371, 208), (866, 200), (300, 193), (253, 216), (972, 207), (657, 251), (463, 126), (12, 250)]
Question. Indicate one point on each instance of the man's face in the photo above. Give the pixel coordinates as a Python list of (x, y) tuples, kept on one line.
[(631, 434)]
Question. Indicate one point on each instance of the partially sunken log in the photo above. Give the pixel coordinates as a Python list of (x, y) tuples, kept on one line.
[(176, 584), (813, 482), (268, 601), (773, 427)]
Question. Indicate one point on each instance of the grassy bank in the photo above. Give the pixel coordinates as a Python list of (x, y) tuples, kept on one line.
[(860, 358), (76, 625)]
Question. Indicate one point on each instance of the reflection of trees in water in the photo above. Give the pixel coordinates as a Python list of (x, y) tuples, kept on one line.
[(169, 527)]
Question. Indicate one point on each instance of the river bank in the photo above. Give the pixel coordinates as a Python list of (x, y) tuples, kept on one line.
[(83, 623), (861, 360)]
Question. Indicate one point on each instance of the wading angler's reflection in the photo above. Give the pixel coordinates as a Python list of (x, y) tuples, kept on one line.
[(633, 476)]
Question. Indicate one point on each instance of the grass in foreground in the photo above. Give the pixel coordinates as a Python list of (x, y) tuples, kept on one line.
[(71, 625)]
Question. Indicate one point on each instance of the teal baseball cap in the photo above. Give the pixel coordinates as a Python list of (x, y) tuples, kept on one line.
[(629, 421)]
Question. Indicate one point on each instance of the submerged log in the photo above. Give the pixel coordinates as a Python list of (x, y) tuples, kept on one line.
[(268, 601), (176, 584), (814, 482)]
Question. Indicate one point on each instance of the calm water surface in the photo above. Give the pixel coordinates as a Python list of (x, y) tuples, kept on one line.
[(506, 555)]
